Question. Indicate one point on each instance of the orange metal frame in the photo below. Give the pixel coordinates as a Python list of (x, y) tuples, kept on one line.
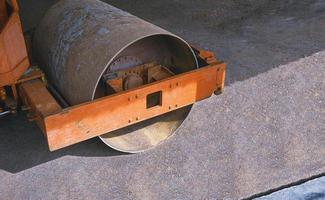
[(64, 127), (13, 53)]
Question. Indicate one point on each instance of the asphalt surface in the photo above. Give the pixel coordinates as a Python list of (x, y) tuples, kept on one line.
[(313, 190), (265, 132)]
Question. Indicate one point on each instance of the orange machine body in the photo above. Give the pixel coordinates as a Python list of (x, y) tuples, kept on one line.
[(13, 52)]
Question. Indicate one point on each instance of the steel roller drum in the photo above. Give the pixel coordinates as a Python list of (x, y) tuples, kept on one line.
[(78, 41)]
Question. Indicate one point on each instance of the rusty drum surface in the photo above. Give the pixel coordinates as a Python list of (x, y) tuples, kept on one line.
[(79, 41)]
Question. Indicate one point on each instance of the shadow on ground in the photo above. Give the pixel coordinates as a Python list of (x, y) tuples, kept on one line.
[(23, 145), (252, 37)]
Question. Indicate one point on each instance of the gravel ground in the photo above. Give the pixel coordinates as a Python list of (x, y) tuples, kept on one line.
[(265, 132)]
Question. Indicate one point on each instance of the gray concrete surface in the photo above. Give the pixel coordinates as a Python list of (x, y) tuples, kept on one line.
[(265, 132)]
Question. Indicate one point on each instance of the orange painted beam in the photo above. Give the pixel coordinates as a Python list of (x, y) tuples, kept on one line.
[(85, 121), (39, 101)]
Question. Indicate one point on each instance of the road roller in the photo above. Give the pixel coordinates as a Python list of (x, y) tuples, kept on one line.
[(93, 70)]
